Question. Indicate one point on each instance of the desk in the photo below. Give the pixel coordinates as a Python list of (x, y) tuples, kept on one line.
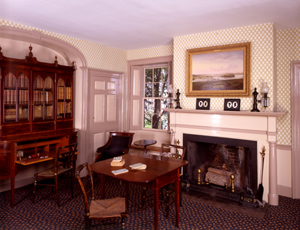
[(45, 144), (160, 172), (145, 143)]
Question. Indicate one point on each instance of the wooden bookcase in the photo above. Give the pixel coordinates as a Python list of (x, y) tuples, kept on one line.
[(36, 112)]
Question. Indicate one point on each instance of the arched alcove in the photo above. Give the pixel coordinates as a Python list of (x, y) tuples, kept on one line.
[(15, 43)]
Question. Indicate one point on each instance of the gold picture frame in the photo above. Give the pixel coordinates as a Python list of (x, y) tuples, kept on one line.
[(219, 71)]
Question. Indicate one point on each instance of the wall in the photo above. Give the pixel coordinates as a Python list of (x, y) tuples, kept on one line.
[(96, 55)]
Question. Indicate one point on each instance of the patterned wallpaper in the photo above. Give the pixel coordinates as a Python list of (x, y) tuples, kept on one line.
[(261, 38), (96, 55), (262, 62), (158, 51)]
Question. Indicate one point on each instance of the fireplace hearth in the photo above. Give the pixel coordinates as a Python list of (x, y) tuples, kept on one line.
[(220, 167)]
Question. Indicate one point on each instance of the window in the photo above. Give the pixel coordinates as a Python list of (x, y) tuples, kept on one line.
[(155, 97)]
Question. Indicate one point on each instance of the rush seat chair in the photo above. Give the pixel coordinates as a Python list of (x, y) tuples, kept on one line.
[(99, 209)]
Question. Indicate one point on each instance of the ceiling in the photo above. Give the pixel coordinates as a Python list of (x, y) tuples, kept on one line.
[(135, 24)]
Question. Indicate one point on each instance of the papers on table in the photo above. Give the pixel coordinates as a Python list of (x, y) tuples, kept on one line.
[(117, 161), (138, 166), (119, 171)]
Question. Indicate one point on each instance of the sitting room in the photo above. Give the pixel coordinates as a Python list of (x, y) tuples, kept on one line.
[(186, 111)]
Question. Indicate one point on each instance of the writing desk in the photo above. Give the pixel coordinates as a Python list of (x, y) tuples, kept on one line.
[(45, 144), (160, 172)]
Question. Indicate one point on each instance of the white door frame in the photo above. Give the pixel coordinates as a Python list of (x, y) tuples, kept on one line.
[(295, 121)]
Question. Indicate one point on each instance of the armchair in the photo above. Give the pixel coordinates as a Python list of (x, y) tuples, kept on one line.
[(118, 144)]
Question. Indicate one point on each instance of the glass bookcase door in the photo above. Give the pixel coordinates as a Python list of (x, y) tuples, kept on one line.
[(23, 97), (38, 97), (68, 101), (60, 98), (64, 98), (49, 85), (10, 98)]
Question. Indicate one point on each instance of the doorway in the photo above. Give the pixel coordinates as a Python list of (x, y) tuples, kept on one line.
[(104, 108)]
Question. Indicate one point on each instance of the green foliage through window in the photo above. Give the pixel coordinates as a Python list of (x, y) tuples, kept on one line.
[(155, 98)]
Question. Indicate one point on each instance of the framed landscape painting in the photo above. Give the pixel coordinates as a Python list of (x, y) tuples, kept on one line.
[(219, 71)]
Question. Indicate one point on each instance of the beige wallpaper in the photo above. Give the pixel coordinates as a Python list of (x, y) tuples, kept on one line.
[(261, 38), (262, 61), (158, 51), (96, 55)]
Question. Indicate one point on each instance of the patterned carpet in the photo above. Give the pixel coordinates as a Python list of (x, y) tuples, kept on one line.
[(44, 214)]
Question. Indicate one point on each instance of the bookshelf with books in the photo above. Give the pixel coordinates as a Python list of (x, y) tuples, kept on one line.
[(15, 95), (43, 85), (64, 97), (32, 92)]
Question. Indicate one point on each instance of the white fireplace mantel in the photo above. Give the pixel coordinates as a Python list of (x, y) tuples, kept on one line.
[(256, 126), (233, 113)]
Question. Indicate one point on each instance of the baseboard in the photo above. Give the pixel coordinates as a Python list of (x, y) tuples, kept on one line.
[(285, 191), (5, 184)]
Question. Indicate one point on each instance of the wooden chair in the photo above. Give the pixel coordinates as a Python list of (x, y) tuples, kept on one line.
[(118, 144), (177, 152), (99, 209), (64, 163)]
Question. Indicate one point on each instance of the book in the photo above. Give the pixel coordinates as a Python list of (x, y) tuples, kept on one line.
[(117, 161), (138, 166), (119, 171)]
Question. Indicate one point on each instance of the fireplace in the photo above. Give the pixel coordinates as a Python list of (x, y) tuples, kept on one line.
[(260, 128), (214, 160)]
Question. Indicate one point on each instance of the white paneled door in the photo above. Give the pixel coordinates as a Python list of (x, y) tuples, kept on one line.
[(104, 108)]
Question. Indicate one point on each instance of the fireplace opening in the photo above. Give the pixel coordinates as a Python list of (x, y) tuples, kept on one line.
[(221, 167)]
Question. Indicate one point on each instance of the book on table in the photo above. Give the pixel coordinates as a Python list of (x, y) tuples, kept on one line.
[(138, 166), (119, 171), (117, 161)]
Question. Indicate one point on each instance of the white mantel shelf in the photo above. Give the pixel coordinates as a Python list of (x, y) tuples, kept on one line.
[(234, 113)]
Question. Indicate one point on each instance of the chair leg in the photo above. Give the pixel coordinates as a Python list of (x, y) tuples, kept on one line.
[(72, 177), (56, 189), (122, 223), (34, 191)]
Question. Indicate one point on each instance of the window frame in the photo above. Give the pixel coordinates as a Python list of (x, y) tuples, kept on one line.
[(134, 101)]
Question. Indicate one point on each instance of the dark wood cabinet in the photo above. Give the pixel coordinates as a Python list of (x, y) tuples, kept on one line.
[(36, 112), (36, 97)]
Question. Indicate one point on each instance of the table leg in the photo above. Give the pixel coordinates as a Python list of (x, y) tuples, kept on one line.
[(156, 202), (177, 201), (145, 149), (102, 188)]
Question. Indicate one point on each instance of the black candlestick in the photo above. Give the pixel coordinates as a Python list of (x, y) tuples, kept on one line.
[(255, 109), (177, 100)]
